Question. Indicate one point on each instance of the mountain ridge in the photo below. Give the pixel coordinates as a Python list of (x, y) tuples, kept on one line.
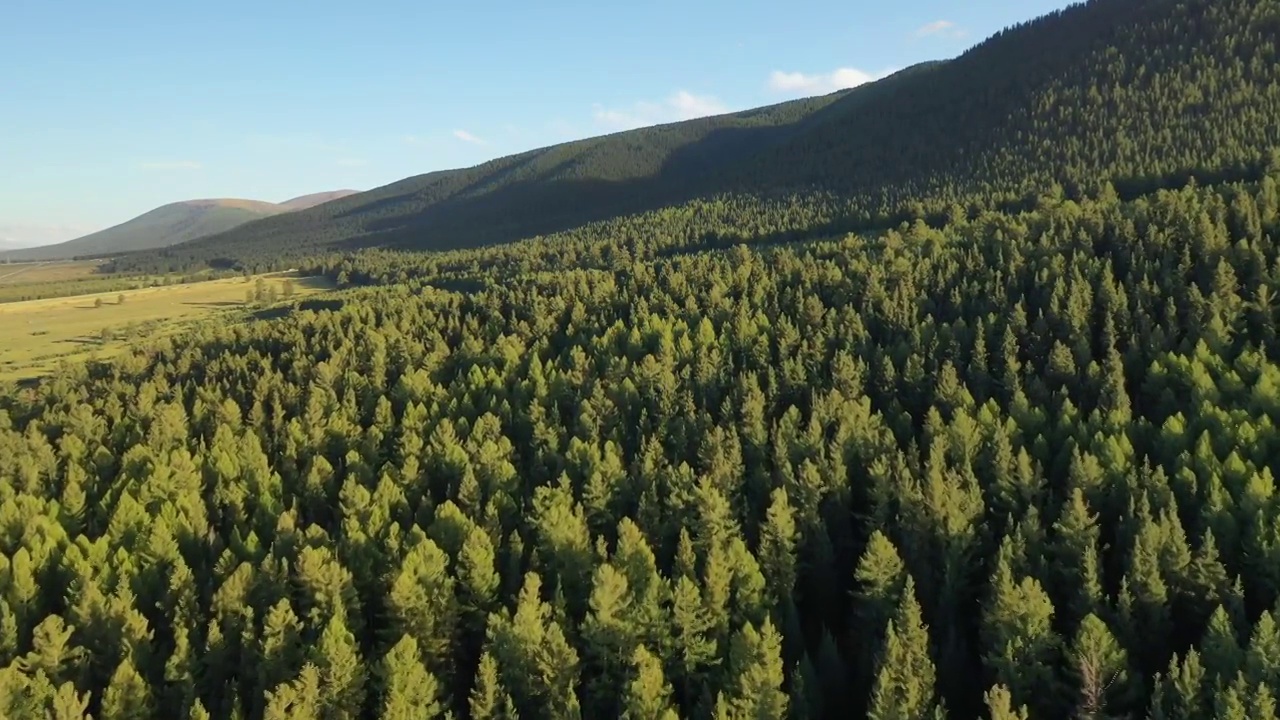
[(303, 202), (170, 224), (1139, 93)]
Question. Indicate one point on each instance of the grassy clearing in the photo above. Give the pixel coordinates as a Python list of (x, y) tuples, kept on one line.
[(37, 335), (41, 272), (40, 280)]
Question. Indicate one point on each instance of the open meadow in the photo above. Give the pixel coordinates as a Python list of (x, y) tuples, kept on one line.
[(37, 335), (67, 278), (40, 272)]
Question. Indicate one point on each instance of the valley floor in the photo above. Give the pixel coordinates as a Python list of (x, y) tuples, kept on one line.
[(38, 335)]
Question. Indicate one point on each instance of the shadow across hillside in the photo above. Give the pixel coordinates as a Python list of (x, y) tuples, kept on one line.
[(540, 206), (1066, 102)]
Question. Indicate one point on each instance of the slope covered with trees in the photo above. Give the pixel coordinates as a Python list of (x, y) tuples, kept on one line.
[(1013, 455), (1021, 465), (1141, 92)]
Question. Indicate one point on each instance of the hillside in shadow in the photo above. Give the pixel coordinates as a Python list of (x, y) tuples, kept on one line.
[(1126, 91)]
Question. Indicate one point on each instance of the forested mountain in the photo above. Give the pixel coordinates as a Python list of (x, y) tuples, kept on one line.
[(1140, 92), (538, 191), (170, 225), (1012, 455), (1019, 466)]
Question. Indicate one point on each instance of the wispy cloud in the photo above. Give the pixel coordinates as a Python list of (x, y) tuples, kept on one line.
[(683, 105), (467, 137), (800, 84), (941, 28), (171, 165)]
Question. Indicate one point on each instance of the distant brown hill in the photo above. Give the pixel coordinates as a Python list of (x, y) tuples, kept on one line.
[(171, 224), (308, 201)]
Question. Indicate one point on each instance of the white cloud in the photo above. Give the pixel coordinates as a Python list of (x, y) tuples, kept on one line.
[(941, 28), (467, 137), (172, 165), (683, 105), (690, 106), (799, 84)]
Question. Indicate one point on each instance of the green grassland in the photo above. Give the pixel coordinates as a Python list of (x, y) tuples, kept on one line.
[(41, 280), (38, 335), (12, 274)]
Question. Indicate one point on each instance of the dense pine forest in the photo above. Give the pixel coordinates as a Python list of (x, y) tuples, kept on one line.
[(1020, 465), (998, 443)]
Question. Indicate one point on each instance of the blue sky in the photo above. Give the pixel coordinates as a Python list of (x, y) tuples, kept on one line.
[(108, 109)]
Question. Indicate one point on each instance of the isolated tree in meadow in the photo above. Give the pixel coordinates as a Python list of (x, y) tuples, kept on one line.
[(120, 299), (286, 288), (97, 302)]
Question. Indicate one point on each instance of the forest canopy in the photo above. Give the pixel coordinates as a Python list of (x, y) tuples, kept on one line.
[(1014, 458)]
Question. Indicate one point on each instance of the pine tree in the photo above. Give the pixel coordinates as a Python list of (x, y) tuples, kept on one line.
[(754, 688), (409, 691), (530, 646), (477, 575), (905, 674), (694, 648), (999, 704), (1021, 647), (342, 673), (1180, 693), (1220, 649), (423, 603), (197, 712), (127, 697), (778, 547), (881, 579), (648, 694), (69, 704), (298, 699), (281, 653), (608, 638), (1231, 701), (1100, 669), (488, 699), (1262, 661), (1076, 571)]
